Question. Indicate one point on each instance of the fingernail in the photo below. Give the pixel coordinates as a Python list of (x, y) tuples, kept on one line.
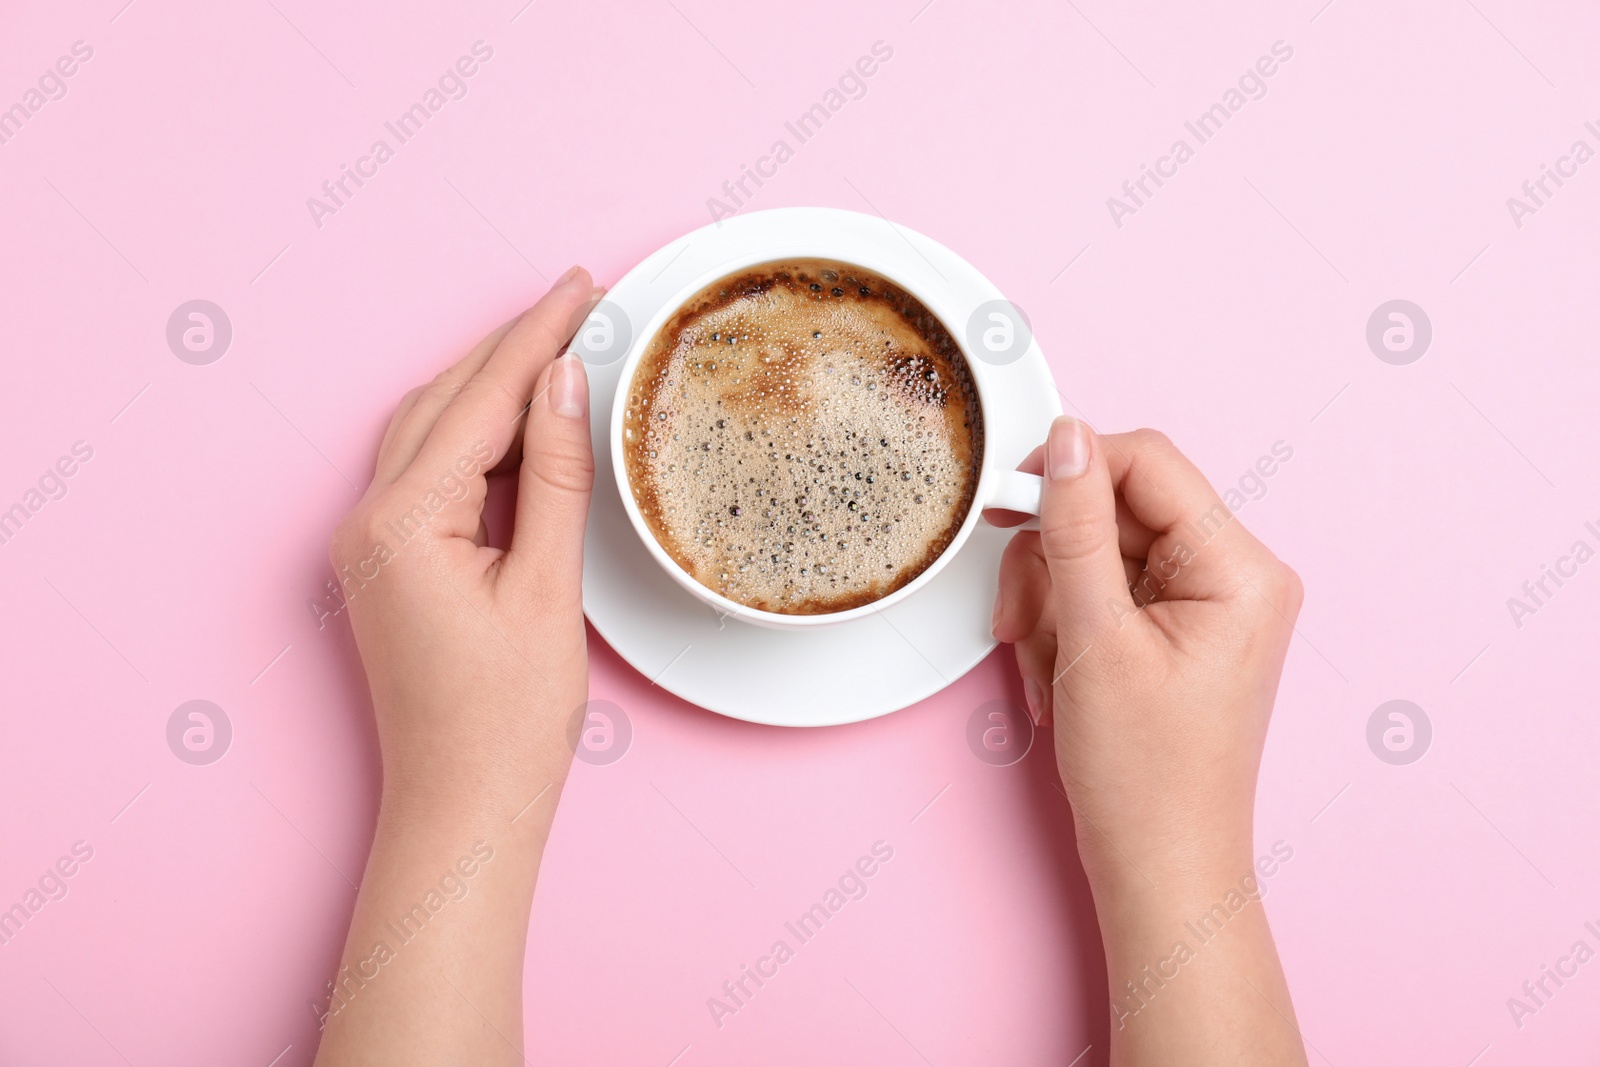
[(1034, 695), (569, 388), (572, 272), (599, 291), (1068, 449), (999, 606)]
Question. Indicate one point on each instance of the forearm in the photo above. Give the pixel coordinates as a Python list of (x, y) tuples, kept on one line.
[(1194, 975), (432, 968)]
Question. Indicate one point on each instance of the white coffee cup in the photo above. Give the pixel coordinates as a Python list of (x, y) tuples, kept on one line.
[(1005, 489)]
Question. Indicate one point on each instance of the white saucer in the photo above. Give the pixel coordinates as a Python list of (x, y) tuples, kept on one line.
[(824, 675)]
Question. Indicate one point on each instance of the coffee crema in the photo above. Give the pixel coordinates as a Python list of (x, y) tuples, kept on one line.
[(803, 437)]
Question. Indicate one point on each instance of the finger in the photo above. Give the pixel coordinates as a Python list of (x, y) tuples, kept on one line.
[(1024, 588), (413, 422), (1023, 599), (554, 486), (486, 414), (1078, 531), (1036, 657), (1163, 489), (1134, 538), (1200, 550), (400, 412), (512, 460)]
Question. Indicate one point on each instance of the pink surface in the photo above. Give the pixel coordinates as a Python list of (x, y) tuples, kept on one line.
[(1229, 309)]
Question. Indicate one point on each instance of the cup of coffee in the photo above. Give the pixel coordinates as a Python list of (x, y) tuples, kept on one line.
[(801, 441)]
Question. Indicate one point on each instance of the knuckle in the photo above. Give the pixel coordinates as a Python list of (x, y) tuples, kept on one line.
[(444, 388), (547, 337), (564, 466), (407, 403), (1153, 440), (535, 335), (351, 537), (1076, 535), (1292, 591), (1281, 586)]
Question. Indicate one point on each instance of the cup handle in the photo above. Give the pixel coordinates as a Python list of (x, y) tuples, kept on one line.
[(1016, 491)]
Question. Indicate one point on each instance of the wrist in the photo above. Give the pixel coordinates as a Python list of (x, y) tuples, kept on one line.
[(1174, 895), (466, 767), (1183, 867), (472, 791)]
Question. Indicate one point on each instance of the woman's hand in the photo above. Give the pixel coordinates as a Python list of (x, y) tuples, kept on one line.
[(476, 655), (476, 658), (1151, 627)]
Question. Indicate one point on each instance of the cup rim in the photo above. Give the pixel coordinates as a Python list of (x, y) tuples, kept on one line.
[(792, 248)]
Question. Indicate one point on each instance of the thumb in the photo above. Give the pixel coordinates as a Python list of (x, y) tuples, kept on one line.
[(554, 484), (1078, 532)]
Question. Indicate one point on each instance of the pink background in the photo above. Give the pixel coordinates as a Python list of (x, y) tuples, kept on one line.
[(1229, 311)]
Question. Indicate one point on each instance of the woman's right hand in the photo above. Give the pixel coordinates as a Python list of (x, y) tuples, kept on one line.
[(1151, 627)]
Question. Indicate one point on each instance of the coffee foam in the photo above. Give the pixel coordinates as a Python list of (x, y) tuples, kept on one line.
[(803, 437)]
